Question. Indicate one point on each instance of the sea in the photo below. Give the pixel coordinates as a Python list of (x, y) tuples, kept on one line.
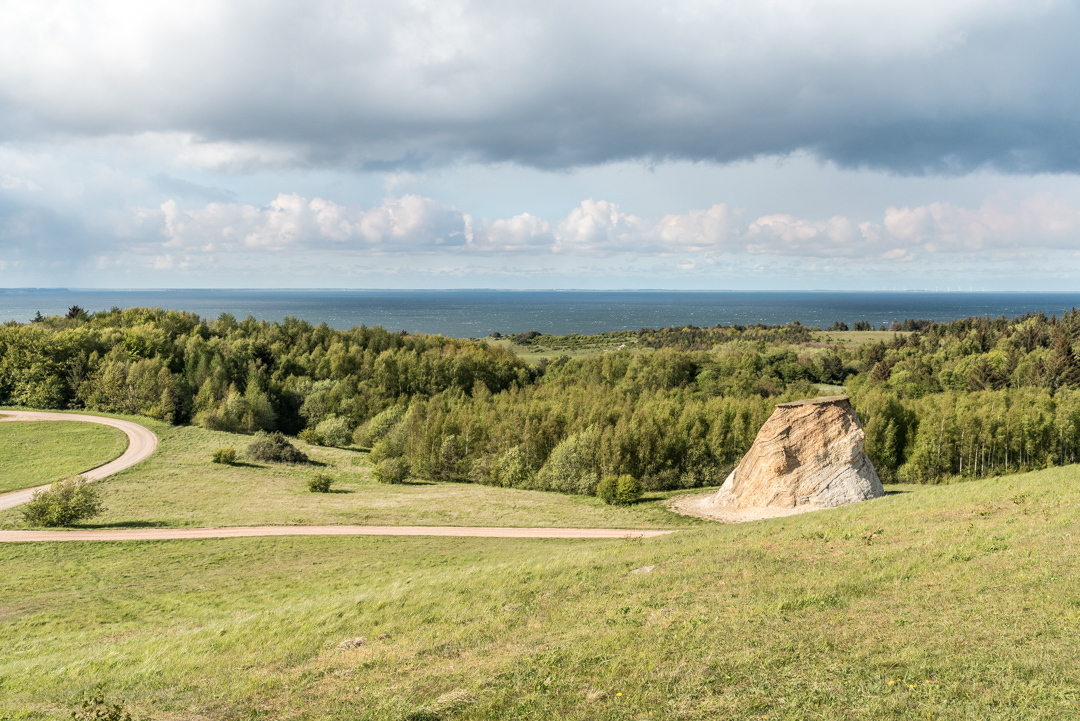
[(479, 313)]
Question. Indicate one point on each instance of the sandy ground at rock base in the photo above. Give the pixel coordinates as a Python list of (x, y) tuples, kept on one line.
[(700, 505)]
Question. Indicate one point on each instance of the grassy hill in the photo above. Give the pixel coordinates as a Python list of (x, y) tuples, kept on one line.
[(957, 601)]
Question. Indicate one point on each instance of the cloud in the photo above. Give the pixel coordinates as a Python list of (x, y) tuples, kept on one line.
[(521, 232), (999, 228), (1040, 221), (412, 224), (600, 227), (186, 189), (597, 226), (927, 85), (11, 182), (837, 237), (406, 224)]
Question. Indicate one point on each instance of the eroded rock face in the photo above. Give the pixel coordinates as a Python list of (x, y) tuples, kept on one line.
[(809, 453)]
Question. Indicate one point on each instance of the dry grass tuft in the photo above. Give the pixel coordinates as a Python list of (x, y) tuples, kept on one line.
[(352, 643)]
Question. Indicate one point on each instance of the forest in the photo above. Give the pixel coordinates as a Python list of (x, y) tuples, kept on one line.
[(971, 397)]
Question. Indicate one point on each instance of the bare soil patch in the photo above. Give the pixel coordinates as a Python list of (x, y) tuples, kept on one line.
[(700, 505)]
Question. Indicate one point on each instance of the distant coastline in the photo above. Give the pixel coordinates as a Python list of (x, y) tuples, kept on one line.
[(478, 313)]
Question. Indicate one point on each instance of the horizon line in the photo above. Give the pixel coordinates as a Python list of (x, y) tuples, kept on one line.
[(526, 290)]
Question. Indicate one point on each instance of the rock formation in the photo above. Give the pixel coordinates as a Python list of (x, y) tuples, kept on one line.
[(808, 455)]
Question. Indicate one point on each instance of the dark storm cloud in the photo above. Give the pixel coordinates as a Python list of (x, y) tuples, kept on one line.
[(946, 86)]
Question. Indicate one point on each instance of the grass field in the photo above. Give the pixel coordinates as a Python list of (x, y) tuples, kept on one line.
[(179, 486), (39, 452), (573, 346), (856, 338), (959, 602)]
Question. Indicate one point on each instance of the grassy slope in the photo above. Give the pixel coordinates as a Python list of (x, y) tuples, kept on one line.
[(179, 486), (968, 593), (34, 453)]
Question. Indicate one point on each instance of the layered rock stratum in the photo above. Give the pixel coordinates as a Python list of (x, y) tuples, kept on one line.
[(808, 455)]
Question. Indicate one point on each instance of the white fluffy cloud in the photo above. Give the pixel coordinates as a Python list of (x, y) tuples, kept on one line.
[(784, 234), (1041, 221), (406, 224), (411, 224), (999, 226), (599, 228)]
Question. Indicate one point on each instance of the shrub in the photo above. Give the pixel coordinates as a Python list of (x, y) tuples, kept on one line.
[(320, 483), (225, 455), (335, 431), (391, 470), (310, 435), (627, 490), (607, 488), (67, 501), (94, 707), (274, 447), (571, 467)]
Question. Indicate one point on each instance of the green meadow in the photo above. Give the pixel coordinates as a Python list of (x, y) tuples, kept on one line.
[(179, 487), (957, 601), (33, 453)]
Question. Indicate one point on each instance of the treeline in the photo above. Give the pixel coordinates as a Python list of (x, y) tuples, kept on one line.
[(972, 397), (983, 433), (226, 375), (975, 354), (669, 418)]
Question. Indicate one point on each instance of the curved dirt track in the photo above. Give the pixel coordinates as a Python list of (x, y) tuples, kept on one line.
[(161, 534), (141, 443)]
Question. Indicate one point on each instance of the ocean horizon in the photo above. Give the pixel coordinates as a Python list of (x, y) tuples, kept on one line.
[(479, 312)]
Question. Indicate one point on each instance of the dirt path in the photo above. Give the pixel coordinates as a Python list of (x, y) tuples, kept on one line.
[(156, 534), (141, 443)]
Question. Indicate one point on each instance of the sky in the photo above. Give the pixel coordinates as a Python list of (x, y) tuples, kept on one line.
[(760, 144)]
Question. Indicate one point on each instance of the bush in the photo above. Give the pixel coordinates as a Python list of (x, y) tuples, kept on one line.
[(572, 466), (225, 455), (391, 470), (607, 488), (94, 707), (274, 447), (335, 431), (67, 501), (627, 490), (320, 483), (310, 435)]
